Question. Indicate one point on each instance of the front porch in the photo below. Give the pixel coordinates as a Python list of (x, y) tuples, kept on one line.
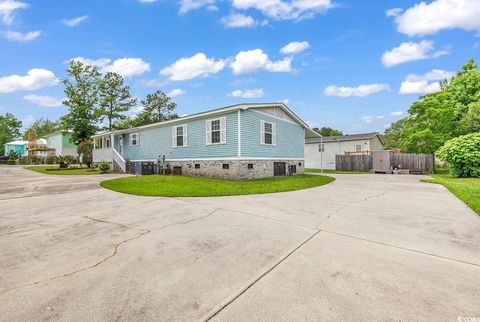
[(104, 150)]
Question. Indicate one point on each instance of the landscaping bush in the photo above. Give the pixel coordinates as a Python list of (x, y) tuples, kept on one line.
[(462, 154), (50, 159), (24, 160), (85, 151), (61, 162), (70, 159), (104, 167)]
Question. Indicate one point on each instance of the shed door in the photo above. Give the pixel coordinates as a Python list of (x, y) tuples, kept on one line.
[(279, 168)]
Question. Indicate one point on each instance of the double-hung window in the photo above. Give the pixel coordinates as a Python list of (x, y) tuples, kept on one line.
[(179, 136), (321, 147), (134, 139), (268, 135), (358, 148), (216, 131)]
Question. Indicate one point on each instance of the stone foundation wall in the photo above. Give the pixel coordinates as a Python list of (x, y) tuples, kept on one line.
[(237, 169)]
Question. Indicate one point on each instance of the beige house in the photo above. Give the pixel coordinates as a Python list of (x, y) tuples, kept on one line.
[(320, 152)]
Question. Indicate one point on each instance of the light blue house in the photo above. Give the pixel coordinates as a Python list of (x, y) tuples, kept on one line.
[(19, 147), (243, 141)]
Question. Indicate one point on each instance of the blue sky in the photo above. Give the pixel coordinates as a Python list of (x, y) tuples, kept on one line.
[(351, 65)]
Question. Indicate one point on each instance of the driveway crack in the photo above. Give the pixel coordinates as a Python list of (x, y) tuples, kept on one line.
[(143, 232)]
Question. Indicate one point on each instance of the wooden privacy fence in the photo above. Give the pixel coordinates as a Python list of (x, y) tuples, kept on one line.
[(353, 162), (408, 161), (413, 161)]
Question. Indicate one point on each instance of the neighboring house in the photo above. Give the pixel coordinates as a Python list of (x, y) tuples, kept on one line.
[(320, 152), (20, 147), (60, 141), (243, 141)]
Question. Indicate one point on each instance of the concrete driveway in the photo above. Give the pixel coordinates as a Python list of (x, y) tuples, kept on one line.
[(366, 247)]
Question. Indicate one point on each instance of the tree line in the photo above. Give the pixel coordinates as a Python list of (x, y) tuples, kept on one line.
[(438, 117), (95, 102)]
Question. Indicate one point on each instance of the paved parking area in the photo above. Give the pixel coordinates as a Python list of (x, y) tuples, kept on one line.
[(366, 247)]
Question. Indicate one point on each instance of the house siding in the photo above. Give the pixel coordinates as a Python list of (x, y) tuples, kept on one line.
[(157, 141), (17, 148), (290, 137)]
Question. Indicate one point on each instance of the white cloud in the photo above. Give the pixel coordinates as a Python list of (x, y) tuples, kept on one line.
[(44, 101), (256, 60), (393, 12), (249, 93), (175, 92), (147, 1), (360, 91), (237, 20), (36, 78), (21, 37), (429, 18), (285, 10), (8, 8), (396, 113), (411, 51), (295, 47), (74, 21), (127, 67), (199, 65), (370, 119), (187, 5), (423, 84)]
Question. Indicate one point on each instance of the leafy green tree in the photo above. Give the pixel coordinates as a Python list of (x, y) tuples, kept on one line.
[(392, 135), (471, 119), (437, 117), (157, 107), (42, 127), (327, 131), (115, 99), (9, 130), (82, 91), (85, 152)]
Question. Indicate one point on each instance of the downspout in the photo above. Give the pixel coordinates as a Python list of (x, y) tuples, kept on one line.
[(239, 134)]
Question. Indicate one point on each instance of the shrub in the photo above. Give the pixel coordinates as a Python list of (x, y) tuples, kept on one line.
[(24, 160), (70, 159), (12, 159), (462, 154), (61, 162), (50, 159), (104, 167)]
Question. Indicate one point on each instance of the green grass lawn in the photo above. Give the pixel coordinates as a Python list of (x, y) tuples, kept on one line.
[(333, 171), (43, 169), (183, 186), (466, 189)]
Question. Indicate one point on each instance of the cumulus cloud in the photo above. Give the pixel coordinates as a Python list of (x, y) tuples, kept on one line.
[(295, 47), (175, 92), (187, 5), (411, 51), (423, 84), (360, 91), (8, 8), (256, 60), (199, 65), (429, 18), (237, 20), (396, 113), (285, 10), (127, 67), (35, 78), (21, 37), (74, 21), (249, 93), (44, 100)]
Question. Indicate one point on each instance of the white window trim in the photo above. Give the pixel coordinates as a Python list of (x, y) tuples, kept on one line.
[(223, 131), (131, 139), (262, 133), (185, 136), (361, 147)]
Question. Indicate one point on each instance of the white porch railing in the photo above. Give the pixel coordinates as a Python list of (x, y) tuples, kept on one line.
[(105, 154), (119, 160)]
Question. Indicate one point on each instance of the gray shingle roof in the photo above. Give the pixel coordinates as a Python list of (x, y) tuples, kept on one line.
[(348, 137)]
